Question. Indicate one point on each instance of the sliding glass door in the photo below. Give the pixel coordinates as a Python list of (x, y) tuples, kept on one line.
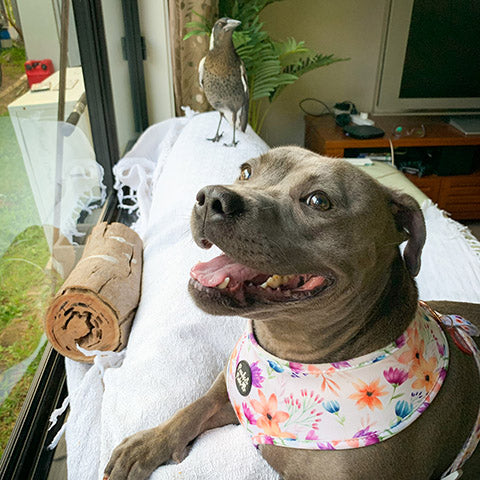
[(56, 184)]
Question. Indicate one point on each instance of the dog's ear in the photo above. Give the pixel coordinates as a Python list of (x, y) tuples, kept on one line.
[(409, 219)]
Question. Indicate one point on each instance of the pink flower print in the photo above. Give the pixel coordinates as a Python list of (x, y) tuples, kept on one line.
[(296, 369), (311, 435), (325, 446), (257, 377), (369, 437), (339, 365), (423, 407), (400, 341), (441, 348), (395, 376), (262, 439), (248, 414), (267, 440)]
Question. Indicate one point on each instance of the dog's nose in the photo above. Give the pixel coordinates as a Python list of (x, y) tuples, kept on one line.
[(220, 201)]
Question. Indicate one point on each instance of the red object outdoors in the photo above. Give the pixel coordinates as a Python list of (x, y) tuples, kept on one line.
[(38, 70)]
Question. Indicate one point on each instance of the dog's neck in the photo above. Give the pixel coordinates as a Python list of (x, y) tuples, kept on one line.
[(343, 330)]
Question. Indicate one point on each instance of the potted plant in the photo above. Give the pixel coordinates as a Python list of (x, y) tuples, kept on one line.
[(271, 65)]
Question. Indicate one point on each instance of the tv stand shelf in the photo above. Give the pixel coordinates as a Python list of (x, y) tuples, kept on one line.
[(457, 194)]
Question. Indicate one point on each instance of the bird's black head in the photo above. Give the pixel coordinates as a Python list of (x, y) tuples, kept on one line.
[(222, 30)]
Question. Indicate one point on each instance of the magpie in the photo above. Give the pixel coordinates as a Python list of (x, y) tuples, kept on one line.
[(223, 78)]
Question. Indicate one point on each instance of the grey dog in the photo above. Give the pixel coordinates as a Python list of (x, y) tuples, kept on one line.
[(293, 212)]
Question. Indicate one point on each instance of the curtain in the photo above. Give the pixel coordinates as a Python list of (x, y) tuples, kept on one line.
[(186, 55)]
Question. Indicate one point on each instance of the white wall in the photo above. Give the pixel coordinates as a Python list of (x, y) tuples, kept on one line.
[(41, 31), (347, 28), (157, 66), (119, 74)]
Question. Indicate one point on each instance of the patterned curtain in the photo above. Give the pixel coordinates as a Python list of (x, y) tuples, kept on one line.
[(186, 55)]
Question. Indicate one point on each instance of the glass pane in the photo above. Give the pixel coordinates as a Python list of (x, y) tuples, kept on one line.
[(51, 189), (119, 72)]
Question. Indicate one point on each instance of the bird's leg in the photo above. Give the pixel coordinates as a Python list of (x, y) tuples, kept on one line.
[(234, 121), (217, 137)]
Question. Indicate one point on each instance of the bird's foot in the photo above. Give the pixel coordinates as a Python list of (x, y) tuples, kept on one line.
[(233, 144), (216, 138)]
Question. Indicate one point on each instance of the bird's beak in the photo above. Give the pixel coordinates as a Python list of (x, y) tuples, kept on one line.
[(231, 24)]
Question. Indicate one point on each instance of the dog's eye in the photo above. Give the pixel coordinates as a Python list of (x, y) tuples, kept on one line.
[(245, 172), (318, 200)]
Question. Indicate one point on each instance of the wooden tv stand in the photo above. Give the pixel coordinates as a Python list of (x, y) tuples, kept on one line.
[(457, 194)]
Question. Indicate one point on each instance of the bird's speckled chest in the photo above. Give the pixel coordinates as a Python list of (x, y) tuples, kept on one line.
[(222, 80), (223, 62)]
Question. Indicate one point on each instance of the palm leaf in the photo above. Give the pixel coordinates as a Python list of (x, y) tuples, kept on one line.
[(271, 65), (191, 33), (308, 64), (289, 50)]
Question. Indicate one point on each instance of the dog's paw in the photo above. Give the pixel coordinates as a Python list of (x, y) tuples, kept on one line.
[(139, 455)]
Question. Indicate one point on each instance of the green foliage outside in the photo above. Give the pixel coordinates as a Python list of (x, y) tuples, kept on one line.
[(271, 65), (12, 66), (25, 285), (14, 56), (25, 290), (12, 405), (7, 15)]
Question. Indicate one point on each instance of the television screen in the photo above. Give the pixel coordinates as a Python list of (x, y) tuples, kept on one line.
[(430, 62), (442, 58)]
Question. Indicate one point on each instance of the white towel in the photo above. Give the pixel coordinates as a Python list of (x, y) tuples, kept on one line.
[(450, 260), (175, 351)]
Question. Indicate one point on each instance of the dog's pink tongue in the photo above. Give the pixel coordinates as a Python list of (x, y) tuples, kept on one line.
[(214, 272)]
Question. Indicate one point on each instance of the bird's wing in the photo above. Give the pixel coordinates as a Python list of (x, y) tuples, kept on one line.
[(244, 109), (243, 75), (200, 71)]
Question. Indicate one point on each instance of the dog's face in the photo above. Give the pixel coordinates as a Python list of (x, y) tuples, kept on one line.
[(298, 231)]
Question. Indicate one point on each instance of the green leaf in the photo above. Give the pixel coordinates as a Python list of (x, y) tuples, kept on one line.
[(197, 25), (271, 64), (192, 33), (289, 51)]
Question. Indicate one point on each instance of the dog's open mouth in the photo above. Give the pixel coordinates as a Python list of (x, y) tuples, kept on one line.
[(224, 276)]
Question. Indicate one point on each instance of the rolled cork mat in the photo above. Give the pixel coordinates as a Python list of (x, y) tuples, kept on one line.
[(95, 306)]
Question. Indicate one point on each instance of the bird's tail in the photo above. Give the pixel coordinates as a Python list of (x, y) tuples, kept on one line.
[(244, 115)]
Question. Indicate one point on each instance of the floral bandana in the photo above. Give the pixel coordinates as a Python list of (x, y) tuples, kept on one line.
[(342, 405)]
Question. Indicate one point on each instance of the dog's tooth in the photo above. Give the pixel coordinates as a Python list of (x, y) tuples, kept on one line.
[(273, 282), (276, 280), (224, 284), (265, 284)]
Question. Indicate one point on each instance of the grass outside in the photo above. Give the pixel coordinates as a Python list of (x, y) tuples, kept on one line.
[(12, 63), (25, 286), (12, 405), (17, 206), (24, 296)]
